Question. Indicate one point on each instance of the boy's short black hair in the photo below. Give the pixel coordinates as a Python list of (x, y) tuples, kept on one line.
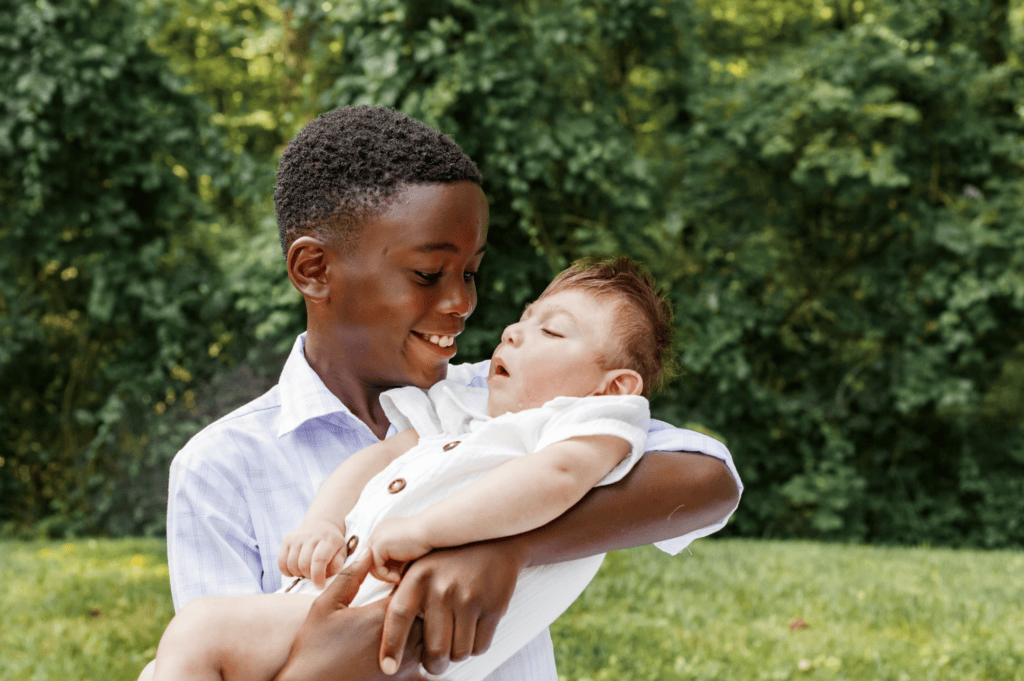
[(349, 163)]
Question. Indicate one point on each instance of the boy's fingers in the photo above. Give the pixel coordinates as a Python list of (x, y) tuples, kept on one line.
[(345, 586), (438, 626), (403, 609), (462, 639), (485, 628)]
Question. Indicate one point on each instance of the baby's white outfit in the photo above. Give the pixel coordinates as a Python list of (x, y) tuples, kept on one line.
[(458, 444)]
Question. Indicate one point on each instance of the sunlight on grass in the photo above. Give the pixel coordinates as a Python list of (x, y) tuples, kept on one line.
[(784, 610), (90, 609), (94, 609)]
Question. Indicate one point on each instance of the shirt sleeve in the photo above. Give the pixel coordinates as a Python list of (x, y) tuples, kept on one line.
[(664, 437), (211, 544), (624, 416)]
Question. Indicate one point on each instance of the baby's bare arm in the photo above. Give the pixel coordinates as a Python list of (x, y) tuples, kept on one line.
[(316, 548), (518, 496)]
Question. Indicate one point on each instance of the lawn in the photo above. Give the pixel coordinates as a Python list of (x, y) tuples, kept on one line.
[(94, 609)]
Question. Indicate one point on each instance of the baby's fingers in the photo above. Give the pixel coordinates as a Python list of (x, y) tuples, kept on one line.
[(326, 552), (386, 569), (282, 558), (287, 559), (306, 557), (337, 563)]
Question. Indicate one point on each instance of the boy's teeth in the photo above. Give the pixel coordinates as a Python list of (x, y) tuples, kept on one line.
[(442, 341)]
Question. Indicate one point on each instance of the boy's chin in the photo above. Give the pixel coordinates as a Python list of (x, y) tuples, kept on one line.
[(426, 377)]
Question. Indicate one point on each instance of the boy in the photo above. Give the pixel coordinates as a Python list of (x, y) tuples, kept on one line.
[(384, 224), (462, 476)]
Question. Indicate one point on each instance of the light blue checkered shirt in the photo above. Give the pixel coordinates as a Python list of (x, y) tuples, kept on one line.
[(246, 480)]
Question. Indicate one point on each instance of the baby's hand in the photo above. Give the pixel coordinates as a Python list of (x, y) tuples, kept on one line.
[(315, 551), (393, 543)]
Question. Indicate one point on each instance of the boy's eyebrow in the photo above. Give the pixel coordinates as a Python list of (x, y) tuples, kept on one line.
[(446, 246)]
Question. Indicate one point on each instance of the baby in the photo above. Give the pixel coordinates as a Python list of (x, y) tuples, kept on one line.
[(564, 411)]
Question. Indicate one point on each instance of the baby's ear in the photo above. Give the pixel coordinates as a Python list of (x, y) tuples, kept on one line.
[(622, 382)]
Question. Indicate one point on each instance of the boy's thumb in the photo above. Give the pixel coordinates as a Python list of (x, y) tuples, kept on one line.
[(346, 584)]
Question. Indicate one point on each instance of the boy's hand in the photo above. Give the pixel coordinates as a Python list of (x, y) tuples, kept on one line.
[(393, 543), (460, 593), (338, 643), (315, 551)]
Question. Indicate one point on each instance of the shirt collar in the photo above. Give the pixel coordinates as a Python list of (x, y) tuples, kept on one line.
[(304, 396)]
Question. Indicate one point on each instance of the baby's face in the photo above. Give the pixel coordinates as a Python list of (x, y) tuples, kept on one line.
[(555, 349)]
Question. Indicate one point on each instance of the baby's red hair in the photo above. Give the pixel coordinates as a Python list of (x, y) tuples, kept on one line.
[(643, 318)]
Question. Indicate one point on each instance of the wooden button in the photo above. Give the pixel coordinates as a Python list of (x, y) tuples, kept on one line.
[(452, 445), (397, 485), (353, 542)]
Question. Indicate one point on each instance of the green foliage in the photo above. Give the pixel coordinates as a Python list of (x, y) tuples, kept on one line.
[(831, 192), (108, 297), (853, 302), (722, 610), (553, 102)]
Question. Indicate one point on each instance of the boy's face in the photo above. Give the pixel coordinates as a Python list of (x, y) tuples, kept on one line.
[(405, 291), (555, 349)]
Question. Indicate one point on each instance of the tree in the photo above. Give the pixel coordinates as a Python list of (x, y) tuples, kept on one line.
[(108, 299), (853, 301)]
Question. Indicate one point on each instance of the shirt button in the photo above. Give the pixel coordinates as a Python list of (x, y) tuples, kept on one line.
[(451, 445), (397, 485), (353, 542)]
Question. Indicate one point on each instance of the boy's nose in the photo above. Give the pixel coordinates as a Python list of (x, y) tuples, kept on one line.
[(459, 299)]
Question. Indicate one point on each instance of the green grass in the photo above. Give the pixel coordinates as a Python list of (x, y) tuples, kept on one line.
[(94, 609), (89, 609)]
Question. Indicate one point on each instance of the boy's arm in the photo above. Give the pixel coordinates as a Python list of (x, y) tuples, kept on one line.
[(519, 495), (308, 550), (210, 539)]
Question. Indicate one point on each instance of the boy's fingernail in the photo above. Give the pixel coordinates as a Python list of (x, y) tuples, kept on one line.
[(389, 666)]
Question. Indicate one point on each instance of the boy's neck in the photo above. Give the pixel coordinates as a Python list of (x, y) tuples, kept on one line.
[(361, 397)]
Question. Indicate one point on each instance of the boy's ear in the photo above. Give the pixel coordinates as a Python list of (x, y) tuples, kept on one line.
[(308, 260), (622, 382)]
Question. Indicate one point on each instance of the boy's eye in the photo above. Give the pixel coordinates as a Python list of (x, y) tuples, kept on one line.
[(549, 332), (429, 277)]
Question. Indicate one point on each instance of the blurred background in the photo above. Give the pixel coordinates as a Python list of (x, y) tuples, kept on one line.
[(832, 192)]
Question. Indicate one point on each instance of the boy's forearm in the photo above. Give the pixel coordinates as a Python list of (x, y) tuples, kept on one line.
[(666, 495), (521, 494)]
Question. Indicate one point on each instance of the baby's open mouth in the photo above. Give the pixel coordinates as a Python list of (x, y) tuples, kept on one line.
[(499, 369)]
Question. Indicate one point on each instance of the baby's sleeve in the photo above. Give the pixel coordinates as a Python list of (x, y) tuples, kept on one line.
[(625, 416), (410, 407)]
